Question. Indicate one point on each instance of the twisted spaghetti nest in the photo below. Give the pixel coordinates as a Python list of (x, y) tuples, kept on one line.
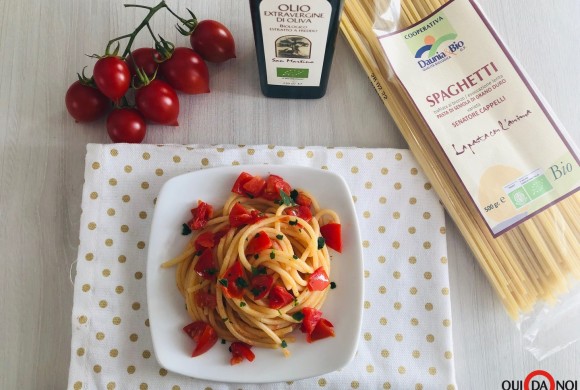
[(296, 253)]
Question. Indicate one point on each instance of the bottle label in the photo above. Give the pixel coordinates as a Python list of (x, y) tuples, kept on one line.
[(295, 36), (501, 138)]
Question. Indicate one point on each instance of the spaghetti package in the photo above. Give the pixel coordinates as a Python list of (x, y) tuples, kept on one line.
[(492, 148)]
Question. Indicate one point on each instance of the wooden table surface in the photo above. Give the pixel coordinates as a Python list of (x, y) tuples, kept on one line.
[(42, 46)]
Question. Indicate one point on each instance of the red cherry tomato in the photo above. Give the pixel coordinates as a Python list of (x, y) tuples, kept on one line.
[(112, 77), (204, 299), (254, 187), (318, 281), (300, 212), (323, 329), (332, 236), (260, 242), (126, 125), (186, 71), (239, 216), (144, 57), (200, 215), (206, 265), (235, 280), (240, 181), (205, 240), (85, 103), (275, 184), (260, 285), (158, 102), (203, 334), (303, 200), (213, 41), (279, 297), (241, 351), (311, 318)]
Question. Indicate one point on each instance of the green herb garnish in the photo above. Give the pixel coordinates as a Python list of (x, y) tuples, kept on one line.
[(242, 304), (288, 201), (280, 237), (241, 282), (332, 285), (261, 270), (298, 316), (283, 344), (321, 243), (293, 223), (257, 290), (294, 195), (295, 257), (223, 282), (223, 341), (272, 255), (185, 229)]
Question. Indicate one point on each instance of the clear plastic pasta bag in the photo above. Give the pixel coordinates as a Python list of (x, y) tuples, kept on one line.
[(492, 148)]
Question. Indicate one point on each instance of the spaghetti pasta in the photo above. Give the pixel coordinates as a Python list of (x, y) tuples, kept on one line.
[(256, 264), (533, 262)]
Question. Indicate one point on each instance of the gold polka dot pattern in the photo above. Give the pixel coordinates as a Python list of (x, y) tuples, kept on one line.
[(402, 235)]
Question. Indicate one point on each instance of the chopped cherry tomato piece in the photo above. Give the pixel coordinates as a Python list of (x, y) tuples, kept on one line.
[(279, 297), (201, 214), (204, 240), (236, 281), (205, 299), (274, 184), (318, 281), (239, 216), (260, 285), (260, 242), (303, 200), (311, 318), (323, 329), (241, 351), (300, 212), (203, 334), (240, 181), (254, 187), (332, 235), (206, 265), (237, 359)]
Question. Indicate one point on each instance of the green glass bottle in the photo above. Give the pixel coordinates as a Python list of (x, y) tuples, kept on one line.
[(295, 42)]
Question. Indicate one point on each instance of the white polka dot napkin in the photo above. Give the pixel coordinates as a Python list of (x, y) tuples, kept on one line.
[(405, 341)]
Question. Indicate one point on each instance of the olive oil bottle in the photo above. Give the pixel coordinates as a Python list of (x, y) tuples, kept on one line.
[(295, 42)]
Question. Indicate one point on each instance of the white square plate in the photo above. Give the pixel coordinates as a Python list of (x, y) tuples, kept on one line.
[(167, 314)]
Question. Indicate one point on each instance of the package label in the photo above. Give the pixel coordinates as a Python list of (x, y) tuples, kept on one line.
[(295, 36), (503, 141)]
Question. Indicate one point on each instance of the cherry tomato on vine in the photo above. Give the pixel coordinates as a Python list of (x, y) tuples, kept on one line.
[(144, 57), (158, 103), (85, 103), (213, 41), (112, 77), (126, 125), (186, 71)]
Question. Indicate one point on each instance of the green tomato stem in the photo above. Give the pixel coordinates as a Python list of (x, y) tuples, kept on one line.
[(174, 14), (152, 34), (144, 23)]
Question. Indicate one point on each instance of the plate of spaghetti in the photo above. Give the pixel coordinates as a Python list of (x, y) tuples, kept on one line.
[(254, 274)]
